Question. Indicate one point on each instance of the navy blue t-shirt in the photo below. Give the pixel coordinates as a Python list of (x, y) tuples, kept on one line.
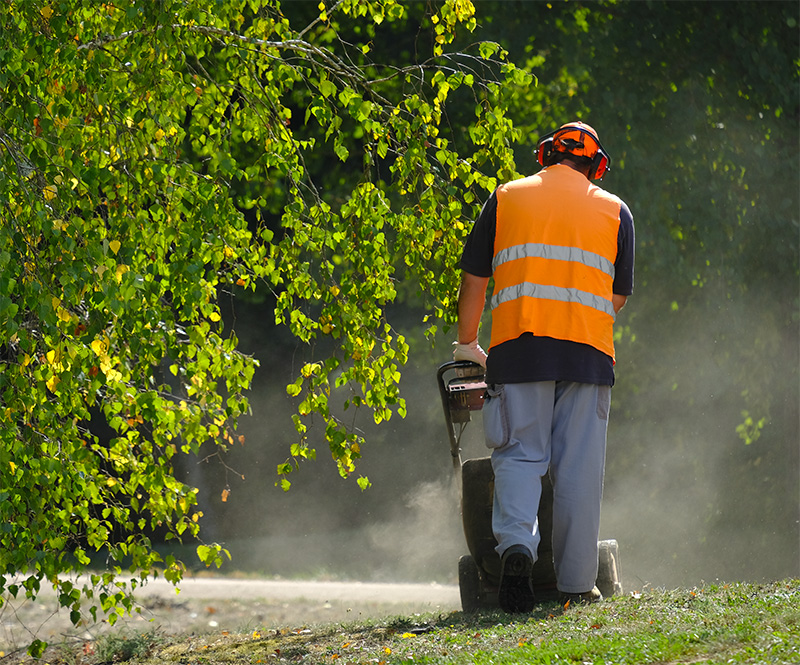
[(531, 358)]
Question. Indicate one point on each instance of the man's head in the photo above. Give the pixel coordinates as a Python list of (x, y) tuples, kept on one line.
[(578, 144)]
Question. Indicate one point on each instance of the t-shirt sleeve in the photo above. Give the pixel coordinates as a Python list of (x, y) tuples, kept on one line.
[(476, 258), (626, 243)]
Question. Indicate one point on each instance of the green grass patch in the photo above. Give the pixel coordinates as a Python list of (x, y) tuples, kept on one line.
[(730, 623)]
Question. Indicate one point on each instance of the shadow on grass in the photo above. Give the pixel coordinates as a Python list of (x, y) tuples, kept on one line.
[(458, 621)]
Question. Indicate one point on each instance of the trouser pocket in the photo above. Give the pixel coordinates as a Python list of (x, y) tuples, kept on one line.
[(603, 401), (495, 416)]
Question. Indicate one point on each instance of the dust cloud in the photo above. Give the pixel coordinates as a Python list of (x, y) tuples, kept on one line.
[(687, 500)]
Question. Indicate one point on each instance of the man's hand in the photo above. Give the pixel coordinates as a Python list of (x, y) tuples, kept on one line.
[(472, 352)]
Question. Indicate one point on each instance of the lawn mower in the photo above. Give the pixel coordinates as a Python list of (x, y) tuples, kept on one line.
[(462, 387)]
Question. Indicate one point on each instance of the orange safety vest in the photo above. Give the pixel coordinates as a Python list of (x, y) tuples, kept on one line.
[(554, 252)]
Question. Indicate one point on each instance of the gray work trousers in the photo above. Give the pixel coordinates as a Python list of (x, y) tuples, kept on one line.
[(560, 425)]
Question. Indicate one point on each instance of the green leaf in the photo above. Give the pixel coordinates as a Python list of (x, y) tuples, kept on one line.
[(326, 88), (36, 648), (488, 49)]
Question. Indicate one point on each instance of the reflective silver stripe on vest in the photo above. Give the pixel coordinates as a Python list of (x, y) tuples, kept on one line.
[(555, 252), (545, 292)]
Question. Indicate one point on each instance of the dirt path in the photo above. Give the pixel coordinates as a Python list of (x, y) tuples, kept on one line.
[(236, 605)]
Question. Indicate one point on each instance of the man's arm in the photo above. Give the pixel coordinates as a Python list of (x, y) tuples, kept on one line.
[(618, 301), (471, 301)]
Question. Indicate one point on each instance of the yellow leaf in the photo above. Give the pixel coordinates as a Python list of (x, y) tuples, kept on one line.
[(113, 375), (214, 317), (310, 369), (159, 134), (99, 346), (52, 382), (114, 245), (13, 467), (50, 192), (46, 12)]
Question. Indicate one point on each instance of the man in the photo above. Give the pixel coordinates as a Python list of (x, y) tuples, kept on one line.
[(561, 251)]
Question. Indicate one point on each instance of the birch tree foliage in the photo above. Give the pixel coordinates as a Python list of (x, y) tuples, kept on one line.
[(154, 156)]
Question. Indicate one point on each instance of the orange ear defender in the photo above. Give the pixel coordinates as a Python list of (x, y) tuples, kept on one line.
[(576, 138)]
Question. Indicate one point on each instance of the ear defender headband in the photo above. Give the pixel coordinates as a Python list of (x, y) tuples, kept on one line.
[(577, 139)]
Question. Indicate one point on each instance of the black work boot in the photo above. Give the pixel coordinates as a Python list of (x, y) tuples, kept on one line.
[(516, 590)]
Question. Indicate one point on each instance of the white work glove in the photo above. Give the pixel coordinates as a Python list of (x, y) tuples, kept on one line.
[(472, 352)]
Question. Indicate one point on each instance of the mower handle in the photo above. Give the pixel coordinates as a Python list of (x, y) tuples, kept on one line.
[(455, 450)]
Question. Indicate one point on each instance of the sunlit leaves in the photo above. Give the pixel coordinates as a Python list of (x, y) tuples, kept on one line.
[(132, 142), (340, 265), (113, 248), (749, 430)]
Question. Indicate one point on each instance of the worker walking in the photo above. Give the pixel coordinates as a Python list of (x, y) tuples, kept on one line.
[(561, 252)]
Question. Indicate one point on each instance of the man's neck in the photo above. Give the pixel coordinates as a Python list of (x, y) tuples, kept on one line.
[(583, 170)]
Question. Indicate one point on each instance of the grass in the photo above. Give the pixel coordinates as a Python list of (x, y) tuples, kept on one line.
[(731, 623)]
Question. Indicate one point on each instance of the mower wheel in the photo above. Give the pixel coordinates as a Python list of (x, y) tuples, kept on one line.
[(469, 584), (608, 577)]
